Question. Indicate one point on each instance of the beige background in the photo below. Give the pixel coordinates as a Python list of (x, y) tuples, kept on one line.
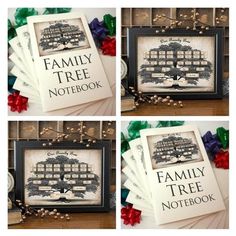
[(91, 157), (205, 44)]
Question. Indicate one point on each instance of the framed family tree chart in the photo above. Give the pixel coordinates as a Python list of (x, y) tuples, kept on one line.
[(67, 176), (180, 62)]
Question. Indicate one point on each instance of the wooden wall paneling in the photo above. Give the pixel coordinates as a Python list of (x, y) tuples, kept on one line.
[(12, 130), (46, 124), (184, 11), (28, 130), (206, 15), (125, 16), (161, 21), (224, 21), (141, 17), (111, 130), (124, 46), (10, 159), (93, 128), (67, 127)]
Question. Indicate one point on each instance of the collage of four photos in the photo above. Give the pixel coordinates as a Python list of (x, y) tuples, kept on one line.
[(93, 146)]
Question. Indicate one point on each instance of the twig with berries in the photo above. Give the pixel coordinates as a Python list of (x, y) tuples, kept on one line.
[(28, 211), (153, 99), (192, 22), (81, 132)]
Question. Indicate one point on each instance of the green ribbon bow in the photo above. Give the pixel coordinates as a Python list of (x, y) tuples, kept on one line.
[(11, 31), (22, 13), (124, 143), (110, 24), (134, 128), (169, 123), (56, 10), (223, 136)]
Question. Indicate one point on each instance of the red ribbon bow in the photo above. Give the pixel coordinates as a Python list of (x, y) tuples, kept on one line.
[(130, 215), (222, 159), (108, 46), (17, 102)]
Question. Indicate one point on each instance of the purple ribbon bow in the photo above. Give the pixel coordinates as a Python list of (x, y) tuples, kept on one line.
[(98, 30), (211, 144)]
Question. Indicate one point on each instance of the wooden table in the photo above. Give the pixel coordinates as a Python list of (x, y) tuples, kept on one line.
[(77, 221), (191, 108)]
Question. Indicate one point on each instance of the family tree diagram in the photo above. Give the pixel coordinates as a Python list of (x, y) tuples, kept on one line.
[(174, 149), (62, 179), (61, 35), (176, 64)]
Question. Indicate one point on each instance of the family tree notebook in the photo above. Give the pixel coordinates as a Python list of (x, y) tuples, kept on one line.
[(178, 169), (66, 61)]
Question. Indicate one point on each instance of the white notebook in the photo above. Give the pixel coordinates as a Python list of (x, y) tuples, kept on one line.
[(66, 61), (179, 171)]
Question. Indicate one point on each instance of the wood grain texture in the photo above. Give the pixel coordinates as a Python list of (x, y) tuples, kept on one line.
[(77, 221), (191, 108)]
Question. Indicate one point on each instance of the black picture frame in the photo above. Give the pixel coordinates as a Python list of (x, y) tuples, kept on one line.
[(134, 33), (20, 161)]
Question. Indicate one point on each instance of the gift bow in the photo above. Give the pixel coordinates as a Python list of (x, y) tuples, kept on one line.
[(17, 102), (135, 127), (110, 23), (211, 143), (223, 136), (222, 159), (21, 15), (124, 143), (169, 123), (130, 215), (11, 30), (56, 10), (108, 46), (98, 30)]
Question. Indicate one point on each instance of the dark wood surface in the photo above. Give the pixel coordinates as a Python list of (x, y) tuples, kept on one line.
[(77, 221), (191, 108)]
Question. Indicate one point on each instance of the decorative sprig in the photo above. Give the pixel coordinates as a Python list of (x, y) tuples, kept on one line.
[(192, 22), (222, 17), (81, 131), (27, 211), (109, 130), (153, 99)]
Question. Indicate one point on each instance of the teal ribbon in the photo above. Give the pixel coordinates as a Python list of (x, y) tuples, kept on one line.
[(21, 15), (11, 30), (169, 123), (124, 195), (124, 143), (135, 127), (11, 81), (56, 10)]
